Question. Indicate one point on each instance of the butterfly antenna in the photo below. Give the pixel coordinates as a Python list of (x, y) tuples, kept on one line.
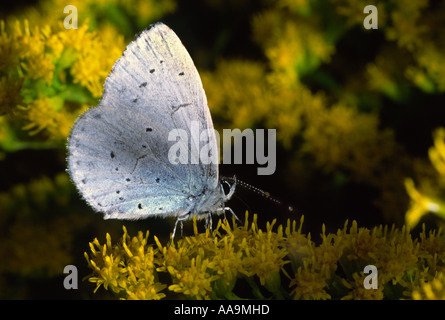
[(256, 190)]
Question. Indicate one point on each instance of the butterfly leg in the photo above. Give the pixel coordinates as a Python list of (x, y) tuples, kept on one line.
[(231, 211), (209, 224), (180, 219), (224, 209)]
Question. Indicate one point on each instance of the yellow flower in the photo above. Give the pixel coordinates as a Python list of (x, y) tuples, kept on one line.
[(96, 54), (107, 268), (430, 58), (434, 290), (128, 268), (29, 48), (227, 263), (141, 282), (358, 290), (40, 66), (236, 90), (428, 201), (358, 243), (264, 252), (437, 153), (309, 284), (200, 268), (298, 245), (48, 73), (400, 255), (407, 30), (11, 48), (420, 204), (195, 281), (335, 136), (199, 243), (432, 249), (327, 254), (293, 53), (43, 114), (380, 77), (420, 78)]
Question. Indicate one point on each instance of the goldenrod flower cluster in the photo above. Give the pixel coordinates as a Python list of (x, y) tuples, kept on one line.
[(36, 238), (48, 68), (434, 290), (279, 262), (430, 199), (49, 74)]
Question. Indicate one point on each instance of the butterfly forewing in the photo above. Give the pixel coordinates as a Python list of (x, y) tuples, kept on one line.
[(119, 151)]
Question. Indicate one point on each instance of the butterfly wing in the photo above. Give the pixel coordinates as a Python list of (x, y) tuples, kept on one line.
[(118, 151)]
